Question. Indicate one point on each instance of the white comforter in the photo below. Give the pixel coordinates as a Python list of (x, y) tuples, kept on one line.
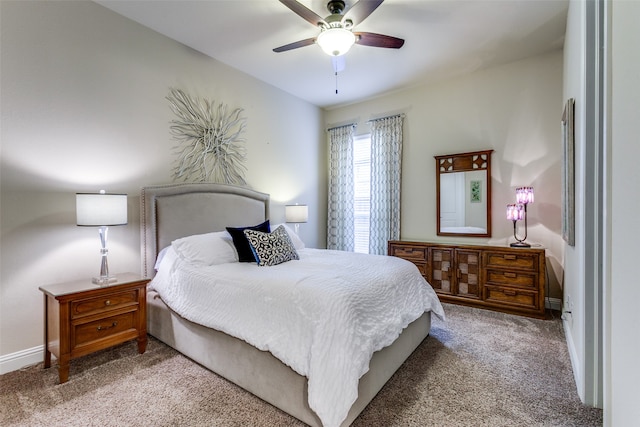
[(324, 315)]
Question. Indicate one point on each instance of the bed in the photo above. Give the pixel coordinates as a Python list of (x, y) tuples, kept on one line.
[(174, 211)]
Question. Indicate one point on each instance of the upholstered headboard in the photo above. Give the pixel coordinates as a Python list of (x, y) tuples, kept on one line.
[(172, 211)]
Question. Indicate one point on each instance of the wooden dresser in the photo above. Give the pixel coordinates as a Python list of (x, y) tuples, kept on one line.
[(82, 317), (501, 278)]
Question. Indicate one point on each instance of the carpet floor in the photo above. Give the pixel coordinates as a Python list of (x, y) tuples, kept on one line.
[(477, 368)]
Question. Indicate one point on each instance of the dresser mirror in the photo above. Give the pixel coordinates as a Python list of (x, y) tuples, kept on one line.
[(463, 194)]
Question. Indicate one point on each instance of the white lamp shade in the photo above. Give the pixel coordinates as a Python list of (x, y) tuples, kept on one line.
[(296, 213), (336, 41), (101, 209)]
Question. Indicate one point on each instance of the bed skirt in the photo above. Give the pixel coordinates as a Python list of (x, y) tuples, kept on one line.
[(265, 376)]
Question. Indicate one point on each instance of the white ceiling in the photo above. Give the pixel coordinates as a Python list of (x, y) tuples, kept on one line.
[(442, 38)]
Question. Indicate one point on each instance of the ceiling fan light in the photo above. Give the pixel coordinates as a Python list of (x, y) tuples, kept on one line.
[(336, 41)]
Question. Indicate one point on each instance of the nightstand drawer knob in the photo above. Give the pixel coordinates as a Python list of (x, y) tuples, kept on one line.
[(107, 302), (113, 325)]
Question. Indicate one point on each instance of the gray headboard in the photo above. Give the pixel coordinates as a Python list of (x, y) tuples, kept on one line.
[(172, 211)]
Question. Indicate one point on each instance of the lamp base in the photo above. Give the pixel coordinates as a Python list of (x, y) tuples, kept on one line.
[(104, 281), (520, 245)]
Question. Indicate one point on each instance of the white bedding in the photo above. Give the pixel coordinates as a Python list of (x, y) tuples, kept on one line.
[(323, 315)]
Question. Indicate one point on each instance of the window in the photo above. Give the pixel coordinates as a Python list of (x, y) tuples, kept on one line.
[(362, 191), (377, 165)]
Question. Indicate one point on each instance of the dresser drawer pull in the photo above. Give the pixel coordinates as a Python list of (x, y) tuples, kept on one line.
[(509, 292), (510, 257), (107, 302), (113, 325), (511, 275)]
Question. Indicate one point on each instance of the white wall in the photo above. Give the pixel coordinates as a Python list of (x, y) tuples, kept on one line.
[(514, 109), (574, 293), (83, 108), (622, 324), (621, 318)]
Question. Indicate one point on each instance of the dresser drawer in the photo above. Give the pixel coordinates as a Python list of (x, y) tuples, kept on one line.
[(103, 304), (524, 261), (104, 329), (512, 278), (422, 268), (511, 296), (411, 253)]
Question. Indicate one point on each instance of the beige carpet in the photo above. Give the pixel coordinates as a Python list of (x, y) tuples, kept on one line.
[(478, 368)]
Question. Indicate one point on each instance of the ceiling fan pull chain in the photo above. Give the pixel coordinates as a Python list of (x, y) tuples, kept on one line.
[(336, 82)]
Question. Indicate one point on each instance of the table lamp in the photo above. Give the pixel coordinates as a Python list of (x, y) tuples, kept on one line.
[(518, 211), (296, 214), (101, 210)]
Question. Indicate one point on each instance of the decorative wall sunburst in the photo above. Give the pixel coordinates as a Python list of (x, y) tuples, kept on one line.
[(210, 145)]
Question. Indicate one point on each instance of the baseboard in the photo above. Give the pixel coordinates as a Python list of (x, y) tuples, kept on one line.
[(20, 359), (573, 356), (553, 304)]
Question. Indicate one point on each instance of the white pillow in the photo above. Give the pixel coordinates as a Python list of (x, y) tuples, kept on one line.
[(164, 266), (295, 239), (206, 249), (161, 256)]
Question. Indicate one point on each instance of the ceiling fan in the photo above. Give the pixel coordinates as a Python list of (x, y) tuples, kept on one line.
[(336, 30)]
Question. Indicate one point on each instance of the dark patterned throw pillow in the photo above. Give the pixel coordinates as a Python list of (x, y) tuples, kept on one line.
[(271, 248)]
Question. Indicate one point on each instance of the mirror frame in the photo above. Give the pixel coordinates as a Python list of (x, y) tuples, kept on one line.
[(463, 162)]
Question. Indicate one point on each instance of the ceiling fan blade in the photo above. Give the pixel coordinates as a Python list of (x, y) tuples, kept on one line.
[(304, 12), (295, 45), (378, 40), (361, 10)]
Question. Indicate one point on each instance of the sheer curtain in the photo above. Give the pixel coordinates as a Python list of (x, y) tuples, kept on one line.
[(386, 162), (340, 223)]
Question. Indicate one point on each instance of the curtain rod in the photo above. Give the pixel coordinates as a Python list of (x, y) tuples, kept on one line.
[(343, 126), (387, 117)]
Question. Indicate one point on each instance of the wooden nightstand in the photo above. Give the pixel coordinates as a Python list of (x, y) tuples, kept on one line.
[(82, 317)]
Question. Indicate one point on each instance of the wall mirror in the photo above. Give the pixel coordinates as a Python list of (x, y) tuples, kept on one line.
[(463, 194)]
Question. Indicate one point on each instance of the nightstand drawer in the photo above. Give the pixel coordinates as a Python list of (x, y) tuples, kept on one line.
[(103, 304), (525, 261), (103, 329), (411, 253), (512, 278), (511, 296)]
